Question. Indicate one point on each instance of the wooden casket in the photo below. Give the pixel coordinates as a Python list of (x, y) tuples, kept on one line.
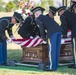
[(35, 54), (66, 54), (40, 53)]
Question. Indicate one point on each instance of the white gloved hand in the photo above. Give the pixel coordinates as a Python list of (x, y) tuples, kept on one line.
[(62, 41), (9, 40), (37, 36), (44, 42), (31, 37)]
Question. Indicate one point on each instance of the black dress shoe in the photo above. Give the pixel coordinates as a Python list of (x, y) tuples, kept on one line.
[(49, 70), (72, 66), (4, 64)]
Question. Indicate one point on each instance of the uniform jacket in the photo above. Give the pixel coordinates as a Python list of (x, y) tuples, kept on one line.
[(5, 24), (47, 23), (68, 21), (29, 28)]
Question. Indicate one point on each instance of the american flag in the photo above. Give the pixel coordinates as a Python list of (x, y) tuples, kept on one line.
[(32, 42), (29, 42), (68, 39)]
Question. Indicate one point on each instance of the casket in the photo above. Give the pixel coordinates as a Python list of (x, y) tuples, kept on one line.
[(66, 54), (35, 54), (40, 53)]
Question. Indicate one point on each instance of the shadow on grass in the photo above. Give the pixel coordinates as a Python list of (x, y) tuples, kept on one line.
[(21, 68), (16, 55)]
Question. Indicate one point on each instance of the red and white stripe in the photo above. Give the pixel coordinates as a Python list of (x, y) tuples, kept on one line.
[(68, 39), (68, 34), (32, 42), (29, 42)]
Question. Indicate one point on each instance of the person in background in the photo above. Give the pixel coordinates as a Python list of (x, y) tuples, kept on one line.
[(68, 21), (73, 7), (52, 12), (6, 23), (53, 36)]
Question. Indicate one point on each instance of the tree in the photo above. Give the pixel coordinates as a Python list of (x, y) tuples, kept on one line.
[(46, 3), (10, 6), (2, 5), (0, 1), (50, 2)]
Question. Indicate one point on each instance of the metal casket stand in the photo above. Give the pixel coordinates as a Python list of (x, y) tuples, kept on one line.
[(37, 56)]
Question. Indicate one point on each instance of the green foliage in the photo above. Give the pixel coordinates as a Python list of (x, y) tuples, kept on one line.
[(10, 6), (2, 8), (46, 3), (0, 1), (50, 2), (25, 0), (2, 5), (16, 3)]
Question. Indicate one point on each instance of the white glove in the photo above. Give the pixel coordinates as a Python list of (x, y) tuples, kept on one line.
[(62, 41), (31, 37), (44, 42), (37, 36), (9, 40)]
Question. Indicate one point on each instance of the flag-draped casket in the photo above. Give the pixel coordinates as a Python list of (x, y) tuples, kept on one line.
[(36, 49)]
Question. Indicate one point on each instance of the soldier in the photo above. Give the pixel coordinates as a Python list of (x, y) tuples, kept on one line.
[(53, 36), (6, 23), (52, 11), (73, 7), (29, 28), (68, 21)]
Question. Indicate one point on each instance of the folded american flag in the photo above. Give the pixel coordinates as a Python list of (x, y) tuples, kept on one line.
[(29, 42)]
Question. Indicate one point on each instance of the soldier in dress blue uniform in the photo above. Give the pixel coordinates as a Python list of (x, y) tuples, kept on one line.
[(29, 28), (53, 36), (73, 7), (52, 12), (68, 21), (6, 23)]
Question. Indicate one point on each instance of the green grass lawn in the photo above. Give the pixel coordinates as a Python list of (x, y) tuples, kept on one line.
[(18, 70), (23, 70)]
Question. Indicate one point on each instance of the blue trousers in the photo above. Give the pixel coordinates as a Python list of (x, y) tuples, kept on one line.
[(3, 52), (54, 44), (74, 50)]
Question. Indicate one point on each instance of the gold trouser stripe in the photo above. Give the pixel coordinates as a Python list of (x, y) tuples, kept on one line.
[(50, 58), (74, 50)]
